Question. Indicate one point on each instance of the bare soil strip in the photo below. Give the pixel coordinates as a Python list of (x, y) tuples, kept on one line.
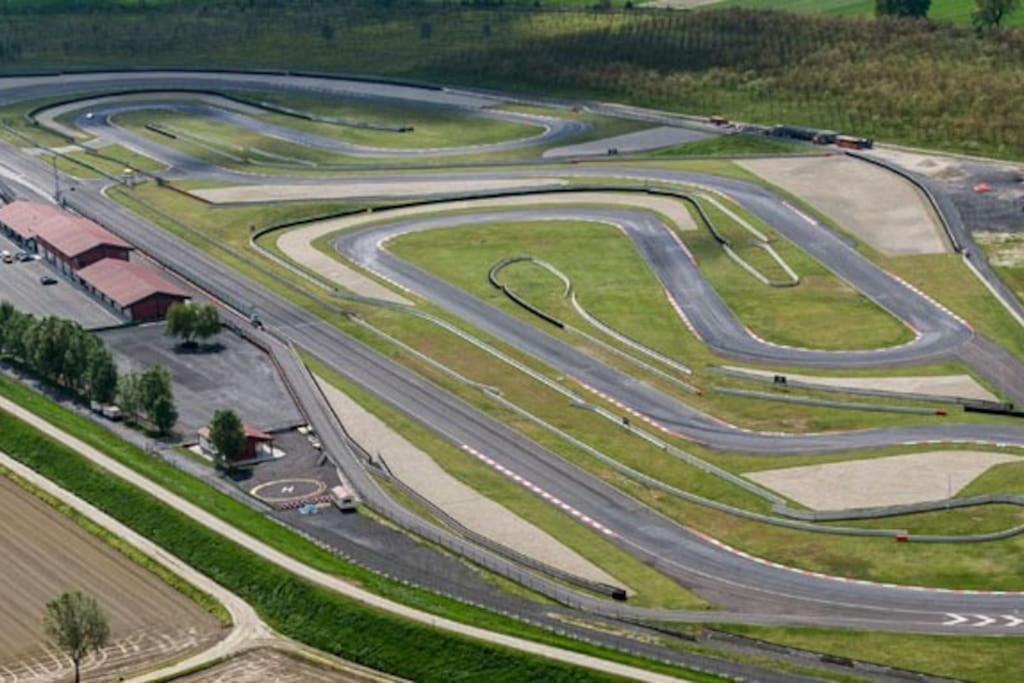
[(895, 480), (361, 190), (955, 386), (265, 664)]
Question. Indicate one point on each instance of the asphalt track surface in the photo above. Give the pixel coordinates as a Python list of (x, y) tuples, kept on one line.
[(753, 591), (552, 130)]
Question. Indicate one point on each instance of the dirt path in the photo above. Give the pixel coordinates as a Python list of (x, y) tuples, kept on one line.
[(873, 204), (381, 189), (420, 472), (895, 480), (249, 627), (298, 244)]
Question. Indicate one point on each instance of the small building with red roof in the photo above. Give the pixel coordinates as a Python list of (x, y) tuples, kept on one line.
[(258, 445), (131, 289)]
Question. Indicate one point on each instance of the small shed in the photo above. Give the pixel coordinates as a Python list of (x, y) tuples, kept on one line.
[(258, 445)]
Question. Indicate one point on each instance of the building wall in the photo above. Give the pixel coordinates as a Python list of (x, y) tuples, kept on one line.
[(98, 254), (69, 265)]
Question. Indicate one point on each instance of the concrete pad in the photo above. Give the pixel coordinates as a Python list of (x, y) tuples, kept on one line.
[(895, 480), (341, 189), (298, 244), (420, 472), (875, 205), (954, 386), (640, 141)]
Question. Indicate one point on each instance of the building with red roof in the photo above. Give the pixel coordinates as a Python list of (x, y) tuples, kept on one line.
[(131, 289), (67, 241), (258, 445), (72, 243), (21, 220)]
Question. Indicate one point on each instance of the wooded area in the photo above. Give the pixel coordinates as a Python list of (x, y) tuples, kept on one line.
[(899, 80)]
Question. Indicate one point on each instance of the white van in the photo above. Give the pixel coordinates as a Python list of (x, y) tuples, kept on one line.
[(343, 498)]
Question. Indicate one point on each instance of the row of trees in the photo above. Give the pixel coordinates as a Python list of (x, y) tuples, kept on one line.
[(64, 353), (59, 351), (148, 396)]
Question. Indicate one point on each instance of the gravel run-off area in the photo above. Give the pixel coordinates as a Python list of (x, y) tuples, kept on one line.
[(874, 482)]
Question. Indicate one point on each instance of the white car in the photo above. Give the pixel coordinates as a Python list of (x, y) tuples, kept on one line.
[(88, 114)]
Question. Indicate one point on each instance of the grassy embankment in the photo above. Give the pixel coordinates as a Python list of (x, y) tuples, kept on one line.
[(980, 659), (310, 614)]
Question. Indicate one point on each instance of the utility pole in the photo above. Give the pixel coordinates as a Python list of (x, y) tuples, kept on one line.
[(56, 179)]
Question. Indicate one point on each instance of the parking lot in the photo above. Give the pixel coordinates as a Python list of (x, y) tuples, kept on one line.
[(229, 373), (19, 284)]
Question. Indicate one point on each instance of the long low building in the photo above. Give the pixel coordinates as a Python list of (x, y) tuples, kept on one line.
[(67, 241), (131, 289), (21, 220), (91, 256)]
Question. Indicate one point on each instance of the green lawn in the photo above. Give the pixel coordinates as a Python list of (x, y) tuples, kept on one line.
[(432, 127), (734, 145), (955, 11), (984, 660)]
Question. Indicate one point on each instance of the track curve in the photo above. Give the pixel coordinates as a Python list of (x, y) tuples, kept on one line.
[(759, 592)]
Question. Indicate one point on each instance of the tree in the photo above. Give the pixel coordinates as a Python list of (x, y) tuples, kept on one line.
[(157, 398), (77, 625), (207, 323), (190, 322), (227, 435), (990, 13), (180, 322), (129, 396), (902, 8), (101, 375), (163, 414)]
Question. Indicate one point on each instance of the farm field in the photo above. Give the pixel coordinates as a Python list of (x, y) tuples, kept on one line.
[(257, 666), (46, 554)]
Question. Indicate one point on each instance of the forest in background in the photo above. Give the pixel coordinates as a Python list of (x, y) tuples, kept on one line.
[(905, 81)]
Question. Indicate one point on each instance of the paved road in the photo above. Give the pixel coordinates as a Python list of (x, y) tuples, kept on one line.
[(759, 592)]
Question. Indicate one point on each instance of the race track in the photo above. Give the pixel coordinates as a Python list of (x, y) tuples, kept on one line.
[(750, 590)]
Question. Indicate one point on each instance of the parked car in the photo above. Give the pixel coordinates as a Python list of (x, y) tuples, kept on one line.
[(47, 280), (23, 256), (7, 258)]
